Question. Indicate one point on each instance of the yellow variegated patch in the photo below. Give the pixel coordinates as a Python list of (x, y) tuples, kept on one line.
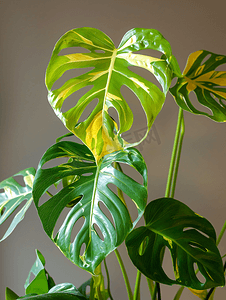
[(200, 79), (109, 72), (200, 76), (192, 58), (97, 138), (199, 293), (130, 42), (140, 84), (139, 60)]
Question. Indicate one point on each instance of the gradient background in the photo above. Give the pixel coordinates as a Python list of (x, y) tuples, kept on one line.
[(28, 31)]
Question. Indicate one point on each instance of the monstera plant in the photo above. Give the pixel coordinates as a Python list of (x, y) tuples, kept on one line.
[(91, 179)]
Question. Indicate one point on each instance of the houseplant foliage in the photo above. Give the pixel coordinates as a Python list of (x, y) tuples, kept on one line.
[(92, 183)]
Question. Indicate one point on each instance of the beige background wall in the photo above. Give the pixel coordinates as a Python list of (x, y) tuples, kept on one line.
[(28, 31)]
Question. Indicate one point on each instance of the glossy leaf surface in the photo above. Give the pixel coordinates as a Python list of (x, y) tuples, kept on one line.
[(89, 190), (109, 73), (63, 291), (42, 281), (190, 239), (12, 197), (200, 76)]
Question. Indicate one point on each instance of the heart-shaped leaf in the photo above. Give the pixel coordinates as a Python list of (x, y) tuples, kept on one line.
[(190, 239), (85, 194), (200, 76), (42, 282), (110, 72), (14, 194)]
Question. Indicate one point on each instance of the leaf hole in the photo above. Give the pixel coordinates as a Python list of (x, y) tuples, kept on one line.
[(198, 105), (72, 50), (132, 173), (98, 231), (193, 228), (20, 180), (87, 174), (168, 264), (77, 226), (146, 74), (55, 162), (60, 221), (72, 100), (87, 290), (10, 218), (89, 108), (139, 126), (199, 275), (70, 76), (220, 68), (149, 52), (114, 115), (106, 212), (82, 249), (128, 202), (197, 246), (99, 51), (206, 58)]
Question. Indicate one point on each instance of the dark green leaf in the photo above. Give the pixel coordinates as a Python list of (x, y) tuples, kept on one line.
[(209, 85), (190, 239), (10, 295), (42, 281), (109, 73), (92, 186), (14, 194), (82, 288)]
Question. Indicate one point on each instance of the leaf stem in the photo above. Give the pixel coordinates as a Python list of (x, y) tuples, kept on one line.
[(175, 158), (221, 234), (108, 280), (125, 276), (150, 286), (136, 295)]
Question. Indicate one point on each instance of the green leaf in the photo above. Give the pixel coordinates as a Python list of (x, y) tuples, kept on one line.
[(10, 295), (62, 291), (190, 238), (82, 288), (67, 288), (92, 188), (109, 73), (209, 85), (14, 194), (54, 296), (42, 281)]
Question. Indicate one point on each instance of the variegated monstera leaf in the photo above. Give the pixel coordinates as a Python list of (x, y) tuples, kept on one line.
[(88, 195), (108, 74), (200, 76)]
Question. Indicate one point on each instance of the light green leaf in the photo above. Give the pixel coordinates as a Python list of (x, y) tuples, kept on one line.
[(66, 288), (190, 238), (42, 281), (91, 187), (110, 72), (14, 194), (200, 76)]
